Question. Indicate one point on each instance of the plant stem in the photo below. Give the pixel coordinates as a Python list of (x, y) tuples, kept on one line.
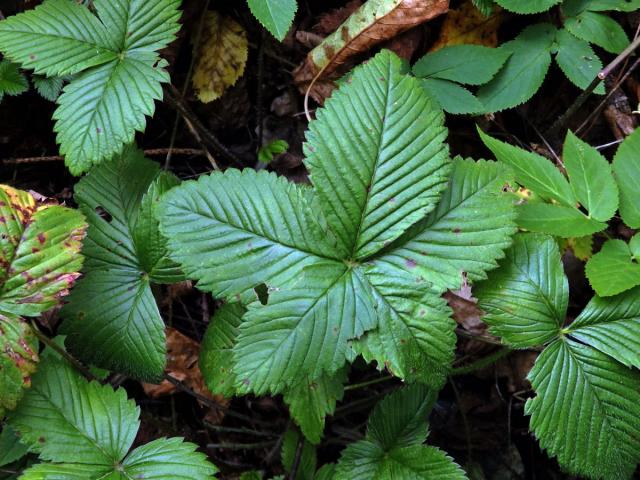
[(481, 363), (62, 352), (296, 459), (560, 123), (368, 383), (240, 446)]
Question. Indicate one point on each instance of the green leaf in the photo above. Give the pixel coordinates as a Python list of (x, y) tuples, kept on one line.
[(309, 402), (18, 360), (591, 178), (168, 458), (267, 152), (586, 410), (468, 231), (526, 299), (574, 7), (532, 171), (12, 82), (578, 61), (11, 449), (599, 29), (451, 97), (49, 88), (557, 220), (527, 6), (626, 168), (327, 472), (524, 71), (613, 269), (307, 462), (115, 56), (235, 230), (84, 430), (216, 356), (39, 252), (275, 15), (390, 170), (611, 326), (466, 64), (59, 37), (112, 319), (392, 447), (304, 330)]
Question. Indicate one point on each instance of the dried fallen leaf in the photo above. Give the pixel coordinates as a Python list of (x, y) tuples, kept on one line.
[(374, 22), (221, 56), (466, 25), (182, 364)]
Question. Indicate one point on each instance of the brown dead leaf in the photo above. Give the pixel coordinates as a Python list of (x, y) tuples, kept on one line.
[(182, 364), (330, 21), (466, 313), (374, 22), (466, 25)]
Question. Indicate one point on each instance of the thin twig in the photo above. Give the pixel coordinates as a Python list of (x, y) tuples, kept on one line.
[(152, 152), (63, 353), (560, 123), (248, 431), (481, 363), (368, 383), (241, 446), (296, 460)]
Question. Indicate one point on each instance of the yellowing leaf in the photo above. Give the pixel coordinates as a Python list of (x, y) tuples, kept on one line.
[(221, 56), (466, 25)]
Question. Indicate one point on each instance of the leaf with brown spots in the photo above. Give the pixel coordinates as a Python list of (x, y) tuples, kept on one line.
[(221, 56), (374, 22)]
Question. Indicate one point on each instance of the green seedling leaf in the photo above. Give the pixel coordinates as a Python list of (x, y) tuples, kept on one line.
[(83, 429), (626, 167), (466, 64), (112, 319), (526, 299), (578, 61), (599, 29), (451, 97), (613, 269), (115, 55), (393, 446), (269, 151), (275, 15), (524, 70)]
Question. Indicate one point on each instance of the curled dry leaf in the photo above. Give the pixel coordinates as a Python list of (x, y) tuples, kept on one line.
[(467, 25), (221, 56), (182, 364), (374, 22)]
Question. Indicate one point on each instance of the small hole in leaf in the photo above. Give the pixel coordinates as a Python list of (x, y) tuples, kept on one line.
[(106, 216), (262, 292)]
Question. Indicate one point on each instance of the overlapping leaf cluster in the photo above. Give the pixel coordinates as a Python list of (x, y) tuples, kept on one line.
[(586, 409), (114, 59), (39, 261), (357, 263)]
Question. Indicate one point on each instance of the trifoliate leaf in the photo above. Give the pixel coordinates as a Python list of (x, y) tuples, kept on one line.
[(275, 15), (221, 56), (216, 350), (578, 61), (309, 402), (611, 326), (599, 29), (527, 6), (307, 462), (626, 167), (525, 300), (84, 430), (451, 97), (466, 64), (591, 178), (115, 56), (392, 447), (613, 269), (18, 360), (585, 410), (12, 82), (112, 319), (360, 178), (49, 88), (523, 72)]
